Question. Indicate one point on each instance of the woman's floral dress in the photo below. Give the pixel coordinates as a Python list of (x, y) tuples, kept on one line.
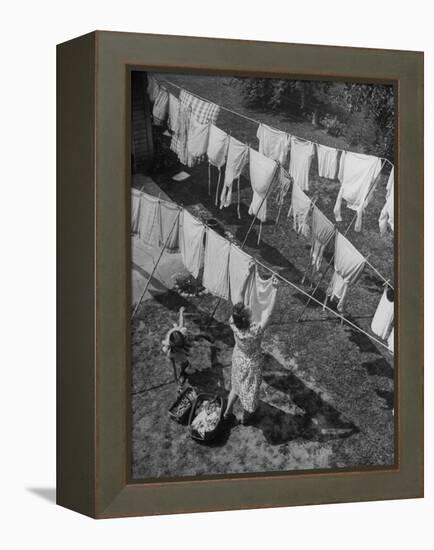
[(246, 376)]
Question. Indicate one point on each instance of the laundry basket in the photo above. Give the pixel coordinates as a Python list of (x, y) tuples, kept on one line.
[(210, 407), (181, 408)]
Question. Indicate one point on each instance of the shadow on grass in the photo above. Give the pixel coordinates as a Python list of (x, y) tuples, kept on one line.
[(379, 367)]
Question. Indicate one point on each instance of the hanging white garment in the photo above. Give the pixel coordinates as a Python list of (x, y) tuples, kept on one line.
[(136, 199), (322, 232), (262, 172), (161, 107), (173, 115), (239, 270), (216, 152), (197, 141), (387, 213), (383, 318), (260, 295), (153, 88), (356, 173), (150, 227), (300, 209), (216, 268), (235, 162), (191, 243), (169, 226), (327, 161), (348, 264), (273, 143), (300, 161)]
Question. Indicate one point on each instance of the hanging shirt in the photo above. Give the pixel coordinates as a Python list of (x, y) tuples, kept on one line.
[(300, 208), (348, 264), (239, 270), (383, 318), (169, 220), (153, 88), (391, 341), (322, 232), (217, 146), (300, 160), (197, 141), (150, 227), (273, 143), (327, 161), (173, 115), (235, 162), (191, 243), (356, 173), (387, 213), (136, 199), (260, 295), (262, 172), (161, 107), (216, 268)]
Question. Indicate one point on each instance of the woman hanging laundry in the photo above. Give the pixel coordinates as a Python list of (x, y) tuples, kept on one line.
[(247, 360)]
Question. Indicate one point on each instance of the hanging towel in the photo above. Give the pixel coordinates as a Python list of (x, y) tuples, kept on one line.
[(216, 269), (239, 270), (300, 208), (300, 160), (191, 243), (197, 141), (356, 173), (136, 199), (262, 172), (150, 227), (383, 318), (348, 264), (327, 161), (153, 88), (260, 295), (322, 232), (161, 107), (203, 111), (391, 341), (235, 162), (273, 143), (387, 213), (169, 218), (173, 116)]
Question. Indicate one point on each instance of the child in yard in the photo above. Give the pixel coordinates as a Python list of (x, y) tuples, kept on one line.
[(177, 344)]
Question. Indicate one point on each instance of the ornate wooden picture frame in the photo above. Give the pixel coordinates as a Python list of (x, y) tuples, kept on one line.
[(94, 178)]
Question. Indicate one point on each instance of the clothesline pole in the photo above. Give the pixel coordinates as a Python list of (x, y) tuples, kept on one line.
[(252, 119), (155, 266)]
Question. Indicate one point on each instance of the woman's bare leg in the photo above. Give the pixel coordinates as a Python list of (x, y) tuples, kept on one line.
[(175, 374), (231, 402)]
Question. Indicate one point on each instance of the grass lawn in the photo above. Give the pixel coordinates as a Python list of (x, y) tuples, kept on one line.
[(327, 396)]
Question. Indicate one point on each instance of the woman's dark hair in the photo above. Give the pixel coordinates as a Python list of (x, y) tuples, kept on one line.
[(178, 341), (241, 316)]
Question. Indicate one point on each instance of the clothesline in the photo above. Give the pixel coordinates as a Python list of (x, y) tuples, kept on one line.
[(252, 119), (276, 274)]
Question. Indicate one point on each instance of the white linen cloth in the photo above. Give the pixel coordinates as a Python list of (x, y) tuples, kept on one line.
[(300, 161), (387, 213), (273, 143), (327, 161), (383, 318), (191, 242), (236, 159), (239, 270), (216, 268), (262, 171), (357, 173)]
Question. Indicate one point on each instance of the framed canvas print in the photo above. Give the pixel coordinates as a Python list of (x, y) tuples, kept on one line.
[(240, 274)]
